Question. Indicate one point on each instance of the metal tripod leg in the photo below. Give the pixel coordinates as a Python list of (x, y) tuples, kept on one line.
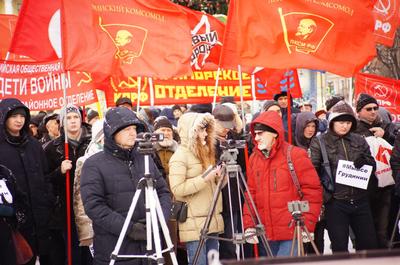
[(164, 228), (392, 242), (252, 209), (204, 231), (154, 215), (298, 238), (121, 237)]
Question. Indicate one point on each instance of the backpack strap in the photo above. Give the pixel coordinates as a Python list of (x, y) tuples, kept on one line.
[(293, 172)]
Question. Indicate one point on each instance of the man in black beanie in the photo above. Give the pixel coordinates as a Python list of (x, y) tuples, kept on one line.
[(282, 100), (371, 124)]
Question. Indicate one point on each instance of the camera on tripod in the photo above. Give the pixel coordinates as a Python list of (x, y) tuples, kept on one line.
[(298, 206), (233, 144), (146, 141), (150, 137)]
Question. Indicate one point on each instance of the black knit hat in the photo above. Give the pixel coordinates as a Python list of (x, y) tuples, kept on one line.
[(363, 100), (330, 102), (162, 122), (263, 127)]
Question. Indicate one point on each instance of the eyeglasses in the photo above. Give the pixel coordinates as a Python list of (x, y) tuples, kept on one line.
[(371, 108)]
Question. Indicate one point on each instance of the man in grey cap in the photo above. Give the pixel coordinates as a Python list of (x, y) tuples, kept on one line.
[(225, 122)]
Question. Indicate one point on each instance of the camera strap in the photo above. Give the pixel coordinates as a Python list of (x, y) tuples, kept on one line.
[(293, 172)]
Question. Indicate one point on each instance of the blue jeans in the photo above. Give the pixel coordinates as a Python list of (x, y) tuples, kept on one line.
[(279, 248), (191, 248)]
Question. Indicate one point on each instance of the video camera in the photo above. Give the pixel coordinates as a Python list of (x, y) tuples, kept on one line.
[(232, 144), (146, 141), (150, 137), (298, 206)]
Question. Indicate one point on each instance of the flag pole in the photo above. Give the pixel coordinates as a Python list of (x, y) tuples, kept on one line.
[(151, 87), (139, 87), (289, 111), (241, 98), (67, 174), (216, 88), (253, 93)]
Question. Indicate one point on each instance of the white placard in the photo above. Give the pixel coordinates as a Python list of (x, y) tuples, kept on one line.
[(347, 174), (4, 192)]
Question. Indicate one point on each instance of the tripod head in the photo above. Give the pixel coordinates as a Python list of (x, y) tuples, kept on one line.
[(230, 150)]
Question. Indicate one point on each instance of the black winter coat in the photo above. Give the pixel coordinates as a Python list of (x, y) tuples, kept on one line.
[(349, 147), (389, 128), (55, 155), (108, 183), (25, 158)]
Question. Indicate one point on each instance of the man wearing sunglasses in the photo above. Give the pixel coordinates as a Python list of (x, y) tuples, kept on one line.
[(371, 124)]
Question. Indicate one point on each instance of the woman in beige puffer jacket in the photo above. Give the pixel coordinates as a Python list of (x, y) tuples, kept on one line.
[(186, 167)]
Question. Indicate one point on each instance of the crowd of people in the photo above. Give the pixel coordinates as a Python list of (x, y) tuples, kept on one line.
[(105, 167)]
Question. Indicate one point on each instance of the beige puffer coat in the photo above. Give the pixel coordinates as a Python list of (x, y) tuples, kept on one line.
[(185, 178)]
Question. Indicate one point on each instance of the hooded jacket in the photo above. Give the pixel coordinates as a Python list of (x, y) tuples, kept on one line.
[(109, 181), (302, 120), (348, 147), (186, 181), (25, 158), (271, 185)]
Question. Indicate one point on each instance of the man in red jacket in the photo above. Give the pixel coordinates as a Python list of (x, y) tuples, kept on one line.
[(272, 186)]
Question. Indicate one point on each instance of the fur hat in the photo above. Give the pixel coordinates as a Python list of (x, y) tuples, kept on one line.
[(363, 100), (342, 111)]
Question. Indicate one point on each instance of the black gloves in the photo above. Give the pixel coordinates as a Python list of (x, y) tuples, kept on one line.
[(360, 161), (138, 231)]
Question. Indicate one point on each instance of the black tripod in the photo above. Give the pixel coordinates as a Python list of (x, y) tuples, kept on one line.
[(154, 215), (233, 171), (299, 228)]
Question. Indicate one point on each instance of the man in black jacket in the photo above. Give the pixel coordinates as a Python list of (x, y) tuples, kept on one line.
[(24, 156), (108, 182), (371, 124), (78, 140)]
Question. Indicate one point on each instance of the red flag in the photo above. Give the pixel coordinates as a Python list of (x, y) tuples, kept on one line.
[(7, 25), (387, 19), (336, 36), (125, 37), (385, 90), (271, 81), (230, 58), (37, 33), (207, 33)]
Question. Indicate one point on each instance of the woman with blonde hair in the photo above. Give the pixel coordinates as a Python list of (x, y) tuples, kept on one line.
[(191, 183)]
